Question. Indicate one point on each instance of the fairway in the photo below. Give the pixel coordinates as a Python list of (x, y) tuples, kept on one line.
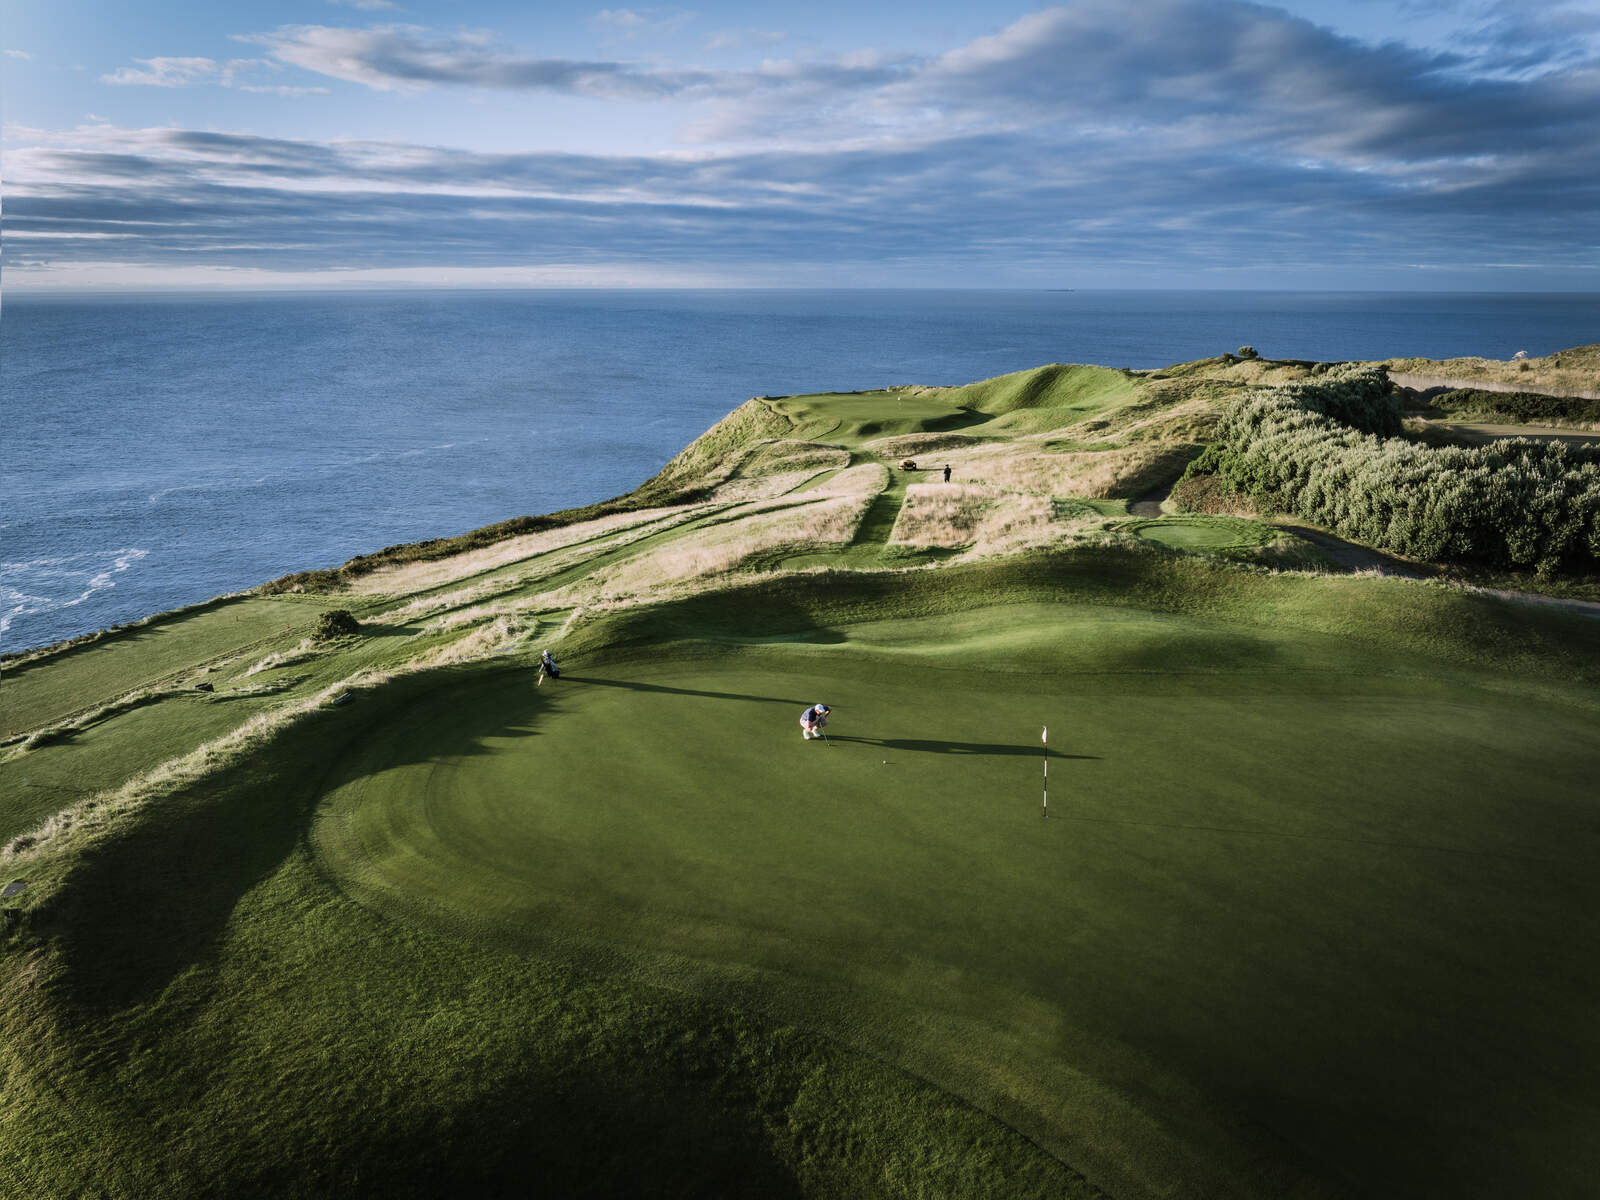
[(1326, 894)]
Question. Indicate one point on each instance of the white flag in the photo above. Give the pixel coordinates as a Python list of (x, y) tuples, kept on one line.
[(1045, 736)]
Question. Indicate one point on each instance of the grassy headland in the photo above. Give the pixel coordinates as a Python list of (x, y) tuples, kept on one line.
[(377, 915)]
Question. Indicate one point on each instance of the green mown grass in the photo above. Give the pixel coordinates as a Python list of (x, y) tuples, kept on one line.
[(1310, 916), (50, 688), (1301, 887)]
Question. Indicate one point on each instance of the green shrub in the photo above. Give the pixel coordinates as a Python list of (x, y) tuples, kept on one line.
[(1246, 352), (1515, 406), (336, 623), (1326, 450)]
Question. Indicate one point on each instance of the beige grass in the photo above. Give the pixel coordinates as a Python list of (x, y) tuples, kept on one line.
[(1021, 522), (304, 652), (517, 610), (1574, 370), (764, 487), (1191, 421), (867, 479), (504, 635), (944, 515), (1101, 474), (424, 607), (983, 521), (413, 577), (828, 521)]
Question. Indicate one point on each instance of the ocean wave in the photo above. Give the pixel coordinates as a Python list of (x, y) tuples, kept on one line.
[(390, 455), (64, 581), (182, 487)]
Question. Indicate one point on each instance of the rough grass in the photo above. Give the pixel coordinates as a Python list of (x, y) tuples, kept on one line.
[(402, 578), (950, 516), (756, 540), (1574, 370), (1112, 473), (304, 652), (1517, 407)]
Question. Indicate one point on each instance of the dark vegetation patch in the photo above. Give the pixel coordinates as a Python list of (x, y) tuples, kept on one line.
[(1521, 407), (1329, 451), (336, 623), (1207, 493)]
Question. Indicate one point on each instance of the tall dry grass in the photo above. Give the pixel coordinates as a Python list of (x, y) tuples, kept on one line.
[(1095, 474), (943, 515), (413, 577), (755, 540), (981, 520), (304, 652)]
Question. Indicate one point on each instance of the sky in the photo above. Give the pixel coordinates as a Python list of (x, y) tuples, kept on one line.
[(1412, 145)]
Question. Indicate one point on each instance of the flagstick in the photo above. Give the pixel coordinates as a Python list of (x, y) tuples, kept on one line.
[(1045, 737)]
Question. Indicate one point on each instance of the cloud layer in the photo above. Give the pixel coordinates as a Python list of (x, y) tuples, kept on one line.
[(1205, 136)]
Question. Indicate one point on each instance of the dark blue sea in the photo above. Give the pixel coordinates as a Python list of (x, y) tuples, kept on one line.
[(160, 450)]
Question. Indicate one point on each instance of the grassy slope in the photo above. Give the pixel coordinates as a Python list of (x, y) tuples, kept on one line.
[(1323, 837), (1575, 370)]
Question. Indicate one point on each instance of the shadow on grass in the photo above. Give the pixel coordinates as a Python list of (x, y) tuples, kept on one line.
[(939, 746), (634, 686), (147, 904), (635, 1134)]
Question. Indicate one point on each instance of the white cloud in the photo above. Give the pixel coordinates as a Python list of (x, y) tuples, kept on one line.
[(166, 72), (282, 90), (23, 54), (190, 72), (628, 23)]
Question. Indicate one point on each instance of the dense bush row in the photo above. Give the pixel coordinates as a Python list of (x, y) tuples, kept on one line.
[(1305, 449), (1516, 406)]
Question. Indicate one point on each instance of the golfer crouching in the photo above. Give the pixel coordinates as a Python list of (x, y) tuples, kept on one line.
[(812, 721)]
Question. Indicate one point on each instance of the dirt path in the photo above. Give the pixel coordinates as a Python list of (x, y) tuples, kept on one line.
[(1586, 608)]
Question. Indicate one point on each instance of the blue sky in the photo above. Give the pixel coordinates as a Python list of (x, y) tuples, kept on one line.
[(1428, 144)]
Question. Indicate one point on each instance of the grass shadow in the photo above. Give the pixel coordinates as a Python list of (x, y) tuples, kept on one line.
[(941, 746), (147, 904), (635, 686)]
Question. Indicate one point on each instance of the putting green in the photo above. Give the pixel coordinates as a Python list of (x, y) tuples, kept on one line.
[(1341, 901), (1203, 533)]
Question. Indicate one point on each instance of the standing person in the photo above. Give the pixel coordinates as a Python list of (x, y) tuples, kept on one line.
[(947, 472), (813, 719), (547, 666)]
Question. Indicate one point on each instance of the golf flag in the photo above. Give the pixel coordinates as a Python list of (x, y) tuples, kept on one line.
[(1044, 736)]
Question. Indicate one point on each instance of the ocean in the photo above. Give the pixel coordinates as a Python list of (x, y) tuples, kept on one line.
[(163, 449)]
